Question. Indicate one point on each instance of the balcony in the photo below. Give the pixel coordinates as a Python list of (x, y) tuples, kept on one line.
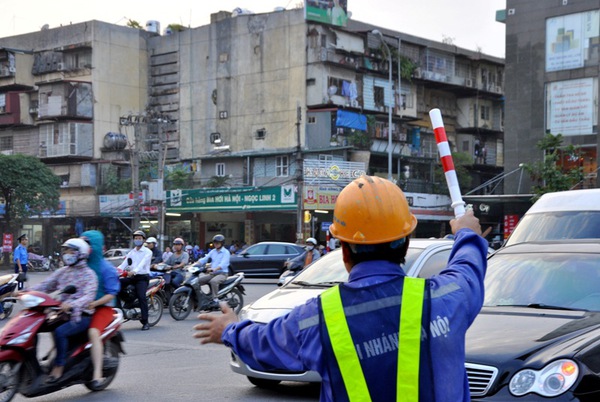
[(14, 109), (68, 99), (66, 140)]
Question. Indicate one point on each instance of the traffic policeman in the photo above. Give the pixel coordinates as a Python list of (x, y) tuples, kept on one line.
[(382, 336)]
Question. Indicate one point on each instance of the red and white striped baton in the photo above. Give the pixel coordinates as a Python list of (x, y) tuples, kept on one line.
[(446, 157)]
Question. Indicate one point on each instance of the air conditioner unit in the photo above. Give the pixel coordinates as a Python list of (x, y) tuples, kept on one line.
[(2, 109), (499, 89), (33, 110), (7, 152), (60, 67), (417, 73), (469, 82), (12, 70)]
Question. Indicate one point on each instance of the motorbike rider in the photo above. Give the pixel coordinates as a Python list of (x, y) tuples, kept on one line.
[(180, 257), (310, 254), (152, 244), (219, 266), (108, 288), (75, 253), (138, 273)]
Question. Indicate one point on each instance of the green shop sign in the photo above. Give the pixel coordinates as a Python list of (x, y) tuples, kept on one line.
[(232, 199)]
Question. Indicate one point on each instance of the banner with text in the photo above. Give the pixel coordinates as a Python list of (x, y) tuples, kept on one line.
[(232, 199)]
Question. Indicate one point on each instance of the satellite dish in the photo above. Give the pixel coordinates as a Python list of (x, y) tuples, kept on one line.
[(45, 26)]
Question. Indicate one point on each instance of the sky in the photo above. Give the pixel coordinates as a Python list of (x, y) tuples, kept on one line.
[(469, 24)]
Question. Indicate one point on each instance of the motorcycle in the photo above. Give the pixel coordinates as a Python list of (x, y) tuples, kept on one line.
[(291, 269), (190, 295), (8, 284), (22, 372), (173, 279), (129, 304)]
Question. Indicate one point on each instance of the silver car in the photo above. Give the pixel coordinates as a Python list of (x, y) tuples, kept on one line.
[(116, 255), (425, 258)]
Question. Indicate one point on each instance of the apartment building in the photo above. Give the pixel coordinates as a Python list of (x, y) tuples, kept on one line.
[(270, 113), (552, 60)]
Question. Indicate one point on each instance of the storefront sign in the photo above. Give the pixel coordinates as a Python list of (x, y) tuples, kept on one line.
[(510, 222), (121, 205), (232, 199), (317, 197), (7, 241), (331, 172), (59, 212)]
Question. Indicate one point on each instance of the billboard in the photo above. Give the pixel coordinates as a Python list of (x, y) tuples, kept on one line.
[(334, 12)]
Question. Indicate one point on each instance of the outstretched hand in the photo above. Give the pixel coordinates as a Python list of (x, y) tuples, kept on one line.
[(468, 220), (211, 330)]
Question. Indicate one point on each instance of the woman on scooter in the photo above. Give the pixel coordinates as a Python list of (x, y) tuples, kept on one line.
[(76, 272)]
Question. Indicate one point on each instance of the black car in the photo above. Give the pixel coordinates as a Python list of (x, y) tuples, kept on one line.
[(538, 334), (264, 259)]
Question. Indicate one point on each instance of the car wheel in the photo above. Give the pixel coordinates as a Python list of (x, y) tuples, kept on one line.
[(263, 383)]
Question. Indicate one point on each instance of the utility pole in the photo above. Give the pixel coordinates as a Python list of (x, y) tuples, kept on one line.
[(299, 177), (161, 169), (135, 174)]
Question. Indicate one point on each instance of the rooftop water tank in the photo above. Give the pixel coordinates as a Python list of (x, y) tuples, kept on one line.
[(153, 26), (115, 141)]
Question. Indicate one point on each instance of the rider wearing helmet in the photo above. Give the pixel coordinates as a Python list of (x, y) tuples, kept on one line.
[(152, 244), (373, 337), (219, 266), (310, 254), (138, 273), (76, 272), (179, 258)]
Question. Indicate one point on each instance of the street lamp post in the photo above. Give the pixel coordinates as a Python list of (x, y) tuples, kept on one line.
[(391, 85)]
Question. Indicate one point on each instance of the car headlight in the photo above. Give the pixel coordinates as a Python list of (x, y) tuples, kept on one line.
[(552, 380)]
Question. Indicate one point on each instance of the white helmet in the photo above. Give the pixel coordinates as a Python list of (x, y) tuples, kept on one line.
[(312, 240), (81, 247), (151, 240)]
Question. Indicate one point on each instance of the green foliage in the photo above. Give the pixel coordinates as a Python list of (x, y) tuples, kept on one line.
[(134, 24), (547, 175), (461, 161), (177, 27), (178, 178), (27, 186), (218, 181), (360, 139), (111, 183)]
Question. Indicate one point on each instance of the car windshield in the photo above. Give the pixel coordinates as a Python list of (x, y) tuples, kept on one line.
[(556, 226), (330, 269), (548, 280)]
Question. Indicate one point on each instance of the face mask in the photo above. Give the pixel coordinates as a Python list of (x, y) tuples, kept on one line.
[(69, 259), (138, 243), (310, 248)]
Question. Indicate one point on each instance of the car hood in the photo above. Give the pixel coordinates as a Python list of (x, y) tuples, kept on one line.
[(279, 302), (510, 334)]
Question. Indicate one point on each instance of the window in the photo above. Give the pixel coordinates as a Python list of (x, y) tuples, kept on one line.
[(282, 166), (379, 96), (335, 86), (485, 112), (311, 120), (220, 169), (6, 144), (465, 146)]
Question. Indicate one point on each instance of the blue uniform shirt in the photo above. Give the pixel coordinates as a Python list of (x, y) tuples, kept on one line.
[(297, 342), (20, 254)]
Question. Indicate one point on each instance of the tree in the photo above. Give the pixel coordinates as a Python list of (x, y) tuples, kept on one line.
[(550, 175), (28, 187), (134, 24)]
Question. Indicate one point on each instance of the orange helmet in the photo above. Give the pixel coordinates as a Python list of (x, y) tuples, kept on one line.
[(371, 210)]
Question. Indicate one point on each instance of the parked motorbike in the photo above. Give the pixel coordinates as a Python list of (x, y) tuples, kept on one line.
[(22, 372), (173, 279), (128, 302), (39, 263), (190, 296), (8, 284)]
